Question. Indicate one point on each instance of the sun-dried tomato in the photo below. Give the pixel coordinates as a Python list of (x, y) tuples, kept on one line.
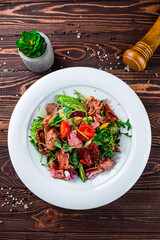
[(109, 114), (91, 153), (41, 141)]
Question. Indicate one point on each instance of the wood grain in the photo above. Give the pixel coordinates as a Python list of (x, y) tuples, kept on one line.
[(77, 236), (135, 210), (108, 27)]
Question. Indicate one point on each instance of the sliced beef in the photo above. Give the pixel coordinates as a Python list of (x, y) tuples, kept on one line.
[(59, 174), (52, 136), (52, 108), (63, 159), (91, 154), (73, 140), (93, 107), (106, 165), (97, 117), (41, 141), (95, 124), (109, 114)]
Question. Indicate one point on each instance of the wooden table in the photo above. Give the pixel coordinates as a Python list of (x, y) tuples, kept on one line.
[(110, 27)]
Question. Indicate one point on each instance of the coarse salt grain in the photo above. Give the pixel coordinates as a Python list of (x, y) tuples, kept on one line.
[(5, 70), (26, 206), (78, 35), (117, 57), (1, 38), (127, 68), (64, 57)]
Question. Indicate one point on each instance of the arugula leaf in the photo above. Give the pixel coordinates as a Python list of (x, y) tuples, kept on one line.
[(126, 134), (127, 124), (57, 144), (104, 100)]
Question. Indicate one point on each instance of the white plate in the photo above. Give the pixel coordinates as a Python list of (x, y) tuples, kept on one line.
[(105, 187)]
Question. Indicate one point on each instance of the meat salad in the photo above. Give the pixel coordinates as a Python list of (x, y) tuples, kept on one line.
[(78, 135)]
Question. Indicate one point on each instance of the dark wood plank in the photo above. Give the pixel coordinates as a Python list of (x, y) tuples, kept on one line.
[(136, 211), (114, 26), (77, 236), (92, 16)]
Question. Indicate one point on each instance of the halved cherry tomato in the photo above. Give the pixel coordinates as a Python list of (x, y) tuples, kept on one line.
[(64, 129), (87, 131), (85, 163)]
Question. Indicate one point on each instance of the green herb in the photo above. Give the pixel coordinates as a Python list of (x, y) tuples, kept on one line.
[(67, 148), (31, 44), (104, 100), (124, 124), (74, 159), (126, 134), (57, 144)]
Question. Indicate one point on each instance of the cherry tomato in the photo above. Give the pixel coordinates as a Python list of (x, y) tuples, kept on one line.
[(87, 131), (64, 129)]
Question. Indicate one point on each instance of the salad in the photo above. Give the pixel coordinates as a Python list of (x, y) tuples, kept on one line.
[(78, 135)]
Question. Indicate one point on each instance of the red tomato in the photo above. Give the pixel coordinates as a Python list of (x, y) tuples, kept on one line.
[(64, 129), (87, 131), (85, 163)]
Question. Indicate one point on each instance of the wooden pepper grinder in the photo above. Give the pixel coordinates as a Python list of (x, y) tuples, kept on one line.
[(137, 57)]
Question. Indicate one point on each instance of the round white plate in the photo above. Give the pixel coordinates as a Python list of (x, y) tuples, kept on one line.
[(105, 187)]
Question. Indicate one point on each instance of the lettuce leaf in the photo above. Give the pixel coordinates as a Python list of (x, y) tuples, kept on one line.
[(36, 125)]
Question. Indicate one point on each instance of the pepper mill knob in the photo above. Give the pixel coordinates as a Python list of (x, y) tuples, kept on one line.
[(137, 57)]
